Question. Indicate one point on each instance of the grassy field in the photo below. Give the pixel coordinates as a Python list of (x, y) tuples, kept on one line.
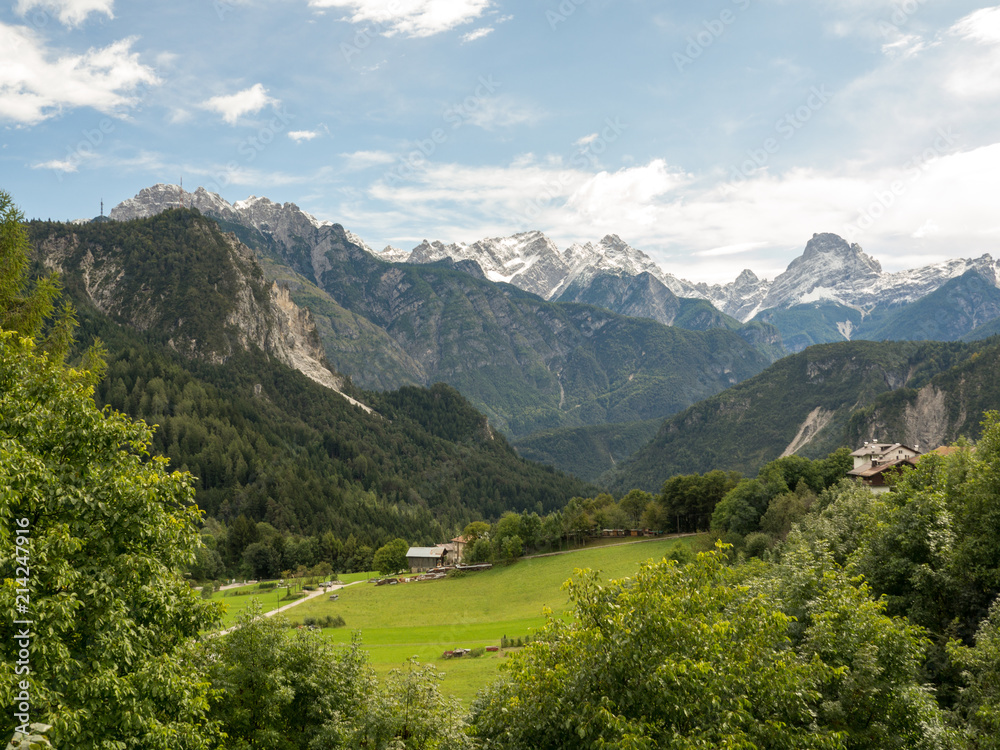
[(236, 600), (425, 619)]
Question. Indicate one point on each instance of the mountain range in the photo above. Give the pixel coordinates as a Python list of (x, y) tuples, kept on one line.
[(579, 354), (528, 363), (834, 291)]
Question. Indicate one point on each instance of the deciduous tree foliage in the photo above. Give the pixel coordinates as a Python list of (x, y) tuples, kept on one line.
[(391, 556), (110, 532), (293, 690), (675, 657)]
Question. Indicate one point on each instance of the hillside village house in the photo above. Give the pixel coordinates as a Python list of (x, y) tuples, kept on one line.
[(873, 462)]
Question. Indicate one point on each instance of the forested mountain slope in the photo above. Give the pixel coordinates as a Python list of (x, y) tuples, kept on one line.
[(528, 364), (939, 411), (801, 404), (264, 440)]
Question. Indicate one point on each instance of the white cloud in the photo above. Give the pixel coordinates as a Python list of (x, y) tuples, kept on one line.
[(179, 116), (246, 102), (303, 135), (978, 75), (412, 18), (982, 26), (586, 139), (58, 165), (906, 214), (500, 111), (364, 159), (36, 85), (69, 12), (477, 34), (742, 247)]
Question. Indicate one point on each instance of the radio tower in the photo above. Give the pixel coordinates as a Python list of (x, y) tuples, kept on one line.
[(182, 191)]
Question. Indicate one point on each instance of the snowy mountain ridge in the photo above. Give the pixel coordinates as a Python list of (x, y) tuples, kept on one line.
[(531, 261), (832, 270), (829, 269)]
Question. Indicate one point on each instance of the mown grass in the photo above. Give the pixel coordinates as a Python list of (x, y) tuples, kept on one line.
[(427, 618), (236, 600)]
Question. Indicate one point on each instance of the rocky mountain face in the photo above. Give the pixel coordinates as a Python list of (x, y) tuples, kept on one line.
[(532, 364), (830, 270), (177, 276), (937, 411)]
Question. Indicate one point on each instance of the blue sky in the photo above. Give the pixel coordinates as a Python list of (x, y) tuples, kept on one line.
[(714, 135)]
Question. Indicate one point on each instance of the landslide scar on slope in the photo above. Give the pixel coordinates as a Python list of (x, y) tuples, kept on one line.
[(818, 419)]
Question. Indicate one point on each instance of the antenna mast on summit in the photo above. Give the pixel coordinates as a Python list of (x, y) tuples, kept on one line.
[(102, 208), (182, 191)]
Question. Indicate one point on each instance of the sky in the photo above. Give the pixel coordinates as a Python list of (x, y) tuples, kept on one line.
[(714, 136)]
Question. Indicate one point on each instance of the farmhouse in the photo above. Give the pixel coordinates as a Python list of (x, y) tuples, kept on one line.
[(421, 559), (873, 462)]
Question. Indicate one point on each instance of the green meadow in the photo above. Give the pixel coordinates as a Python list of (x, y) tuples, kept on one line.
[(237, 599), (425, 619)]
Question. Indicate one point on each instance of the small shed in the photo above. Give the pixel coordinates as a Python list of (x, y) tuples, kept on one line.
[(421, 559)]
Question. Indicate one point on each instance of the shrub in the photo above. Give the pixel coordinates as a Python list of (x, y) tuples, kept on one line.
[(756, 544)]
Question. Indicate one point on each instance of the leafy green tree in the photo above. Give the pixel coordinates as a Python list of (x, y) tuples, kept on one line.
[(531, 530), (876, 697), (786, 509), (23, 309), (475, 530), (979, 704), (634, 504), (110, 532), (508, 525), (278, 689), (741, 509), (674, 657), (391, 557), (409, 713), (293, 690), (261, 560), (512, 547), (480, 552)]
